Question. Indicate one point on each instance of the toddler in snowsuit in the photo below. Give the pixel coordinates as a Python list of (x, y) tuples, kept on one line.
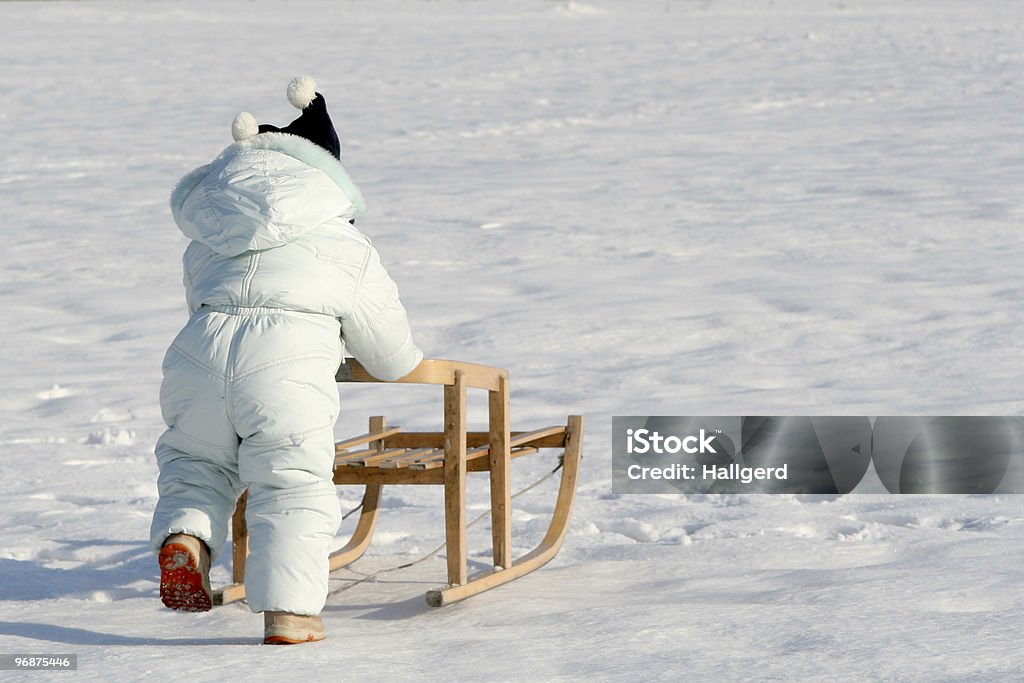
[(279, 283)]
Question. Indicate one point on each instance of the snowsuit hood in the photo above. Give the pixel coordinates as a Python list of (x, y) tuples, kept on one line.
[(263, 192)]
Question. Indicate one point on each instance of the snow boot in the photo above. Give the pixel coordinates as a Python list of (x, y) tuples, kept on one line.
[(285, 628), (185, 574)]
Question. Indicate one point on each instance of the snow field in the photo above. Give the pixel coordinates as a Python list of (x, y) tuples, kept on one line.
[(689, 207)]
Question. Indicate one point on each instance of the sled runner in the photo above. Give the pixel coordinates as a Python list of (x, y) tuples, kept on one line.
[(389, 455)]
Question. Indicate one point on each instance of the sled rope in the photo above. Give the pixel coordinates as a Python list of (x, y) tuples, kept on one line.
[(348, 514), (435, 551)]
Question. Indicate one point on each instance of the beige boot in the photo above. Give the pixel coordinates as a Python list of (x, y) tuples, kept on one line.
[(185, 574), (285, 628)]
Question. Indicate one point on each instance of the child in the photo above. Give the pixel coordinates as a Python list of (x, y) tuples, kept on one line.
[(278, 282)]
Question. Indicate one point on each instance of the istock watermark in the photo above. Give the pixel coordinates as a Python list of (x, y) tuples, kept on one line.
[(817, 454), (646, 441)]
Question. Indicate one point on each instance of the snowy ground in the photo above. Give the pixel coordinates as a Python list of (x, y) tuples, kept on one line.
[(691, 207)]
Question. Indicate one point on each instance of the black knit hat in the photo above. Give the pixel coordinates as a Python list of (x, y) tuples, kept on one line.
[(314, 123)]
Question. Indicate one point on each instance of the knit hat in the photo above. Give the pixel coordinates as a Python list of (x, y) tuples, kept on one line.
[(313, 123)]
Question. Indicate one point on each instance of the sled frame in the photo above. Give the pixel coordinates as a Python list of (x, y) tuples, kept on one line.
[(389, 455)]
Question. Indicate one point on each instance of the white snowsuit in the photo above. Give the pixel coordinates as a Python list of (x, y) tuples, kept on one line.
[(278, 283)]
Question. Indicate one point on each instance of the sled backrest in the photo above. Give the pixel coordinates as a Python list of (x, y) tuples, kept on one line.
[(456, 377), (433, 371)]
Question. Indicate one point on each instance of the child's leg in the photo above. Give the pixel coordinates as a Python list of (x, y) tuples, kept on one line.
[(197, 457), (286, 414), (292, 516), (197, 496)]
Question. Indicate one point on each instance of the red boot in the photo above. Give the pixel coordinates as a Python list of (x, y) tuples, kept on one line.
[(185, 574)]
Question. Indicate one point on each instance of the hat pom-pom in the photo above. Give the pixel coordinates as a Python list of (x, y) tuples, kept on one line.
[(244, 126), (301, 91)]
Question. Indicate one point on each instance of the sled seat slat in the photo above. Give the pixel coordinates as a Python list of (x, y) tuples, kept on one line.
[(476, 460), (521, 443), (420, 458), (480, 451), (406, 457), (343, 446), (366, 457), (390, 458)]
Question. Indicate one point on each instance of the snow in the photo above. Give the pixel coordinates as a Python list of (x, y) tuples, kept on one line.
[(679, 207)]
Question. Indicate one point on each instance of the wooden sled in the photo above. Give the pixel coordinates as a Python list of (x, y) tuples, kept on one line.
[(388, 455)]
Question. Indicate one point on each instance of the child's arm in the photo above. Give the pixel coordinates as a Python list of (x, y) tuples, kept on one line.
[(377, 333)]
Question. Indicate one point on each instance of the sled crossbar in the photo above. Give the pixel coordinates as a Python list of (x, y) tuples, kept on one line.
[(389, 455)]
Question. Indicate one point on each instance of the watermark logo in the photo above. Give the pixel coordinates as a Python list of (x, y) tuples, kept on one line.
[(817, 454), (647, 441)]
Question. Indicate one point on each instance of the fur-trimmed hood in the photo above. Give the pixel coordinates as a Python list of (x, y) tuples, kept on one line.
[(263, 192)]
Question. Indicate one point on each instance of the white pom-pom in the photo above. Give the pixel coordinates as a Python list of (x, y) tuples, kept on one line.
[(244, 126), (301, 91)]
